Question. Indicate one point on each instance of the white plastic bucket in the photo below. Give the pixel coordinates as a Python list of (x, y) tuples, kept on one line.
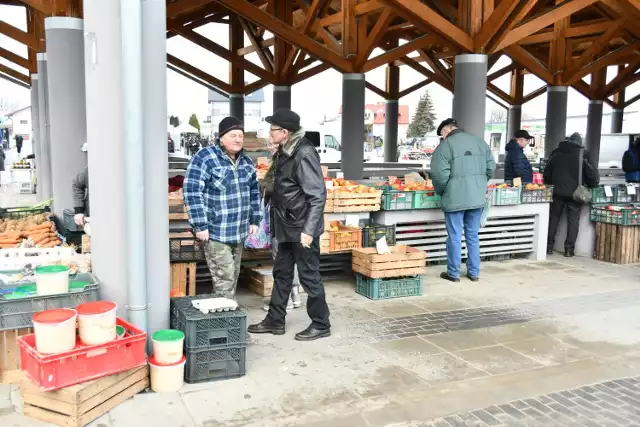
[(55, 330), (167, 378), (167, 346), (52, 279), (97, 322)]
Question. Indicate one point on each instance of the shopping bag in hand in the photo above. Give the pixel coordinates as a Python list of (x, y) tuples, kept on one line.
[(262, 238), (486, 210)]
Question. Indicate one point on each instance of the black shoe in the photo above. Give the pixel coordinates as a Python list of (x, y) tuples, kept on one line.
[(311, 334), (445, 276), (569, 253), (473, 279), (549, 251), (265, 328)]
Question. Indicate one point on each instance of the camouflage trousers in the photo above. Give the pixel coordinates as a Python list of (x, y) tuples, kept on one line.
[(224, 263)]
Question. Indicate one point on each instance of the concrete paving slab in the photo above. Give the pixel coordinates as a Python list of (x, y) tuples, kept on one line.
[(549, 351), (497, 360), (154, 409)]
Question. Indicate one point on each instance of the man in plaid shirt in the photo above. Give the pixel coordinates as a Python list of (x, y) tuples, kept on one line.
[(222, 197)]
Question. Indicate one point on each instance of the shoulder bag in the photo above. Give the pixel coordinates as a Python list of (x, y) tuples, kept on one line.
[(581, 194)]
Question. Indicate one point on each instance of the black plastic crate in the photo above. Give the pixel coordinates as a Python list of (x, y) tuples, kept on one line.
[(372, 232), (68, 222), (209, 365), (207, 331), (185, 249)]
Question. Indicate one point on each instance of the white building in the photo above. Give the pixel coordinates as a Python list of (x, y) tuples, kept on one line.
[(219, 109), (20, 124)]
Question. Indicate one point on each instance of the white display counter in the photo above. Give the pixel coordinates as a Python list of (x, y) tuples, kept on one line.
[(518, 229)]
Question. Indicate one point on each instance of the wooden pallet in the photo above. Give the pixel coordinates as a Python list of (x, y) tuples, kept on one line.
[(260, 280), (10, 372), (617, 243), (402, 261), (183, 278), (80, 404)]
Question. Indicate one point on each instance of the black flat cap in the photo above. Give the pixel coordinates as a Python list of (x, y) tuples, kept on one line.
[(445, 123), (284, 118), (523, 134)]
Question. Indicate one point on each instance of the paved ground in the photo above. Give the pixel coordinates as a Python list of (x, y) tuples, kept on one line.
[(546, 344)]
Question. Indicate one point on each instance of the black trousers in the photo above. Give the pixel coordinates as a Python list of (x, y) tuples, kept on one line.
[(308, 262), (573, 221)]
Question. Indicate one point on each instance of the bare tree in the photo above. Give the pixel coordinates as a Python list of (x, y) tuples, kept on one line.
[(497, 115), (7, 105)]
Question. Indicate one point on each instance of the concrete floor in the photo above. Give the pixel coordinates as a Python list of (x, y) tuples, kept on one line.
[(489, 353)]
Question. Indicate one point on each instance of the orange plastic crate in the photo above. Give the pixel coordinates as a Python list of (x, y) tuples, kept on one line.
[(84, 362), (345, 239)]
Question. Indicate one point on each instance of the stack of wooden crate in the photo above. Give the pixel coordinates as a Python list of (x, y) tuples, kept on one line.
[(618, 244), (390, 275), (253, 143), (344, 201), (177, 209)]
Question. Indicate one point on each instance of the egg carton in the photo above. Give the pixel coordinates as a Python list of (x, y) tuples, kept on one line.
[(213, 305)]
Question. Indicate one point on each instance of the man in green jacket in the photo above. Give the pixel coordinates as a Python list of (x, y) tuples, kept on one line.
[(461, 166)]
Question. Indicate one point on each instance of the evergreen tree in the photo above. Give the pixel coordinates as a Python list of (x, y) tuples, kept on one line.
[(193, 121), (174, 121), (423, 119)]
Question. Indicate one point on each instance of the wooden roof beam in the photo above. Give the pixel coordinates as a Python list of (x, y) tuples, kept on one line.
[(15, 74), (621, 80), (413, 88), (561, 11), (45, 6), (527, 60), (397, 53), (188, 68), (310, 72), (426, 72), (18, 82), (534, 94), (182, 7), (501, 72), (496, 20), (425, 17), (264, 54), (288, 33), (197, 80), (518, 15), (20, 36), (609, 59), (632, 100), (16, 59), (501, 94), (375, 89), (359, 9), (374, 38)]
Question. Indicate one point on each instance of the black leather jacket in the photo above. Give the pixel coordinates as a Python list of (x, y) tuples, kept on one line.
[(299, 195)]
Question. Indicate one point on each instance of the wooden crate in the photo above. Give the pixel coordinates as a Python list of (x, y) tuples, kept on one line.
[(86, 244), (356, 202), (183, 278), (260, 280), (345, 239), (10, 372), (402, 261), (80, 404), (177, 209), (617, 243), (329, 206)]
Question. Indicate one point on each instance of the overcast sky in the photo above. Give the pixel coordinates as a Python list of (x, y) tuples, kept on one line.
[(312, 98)]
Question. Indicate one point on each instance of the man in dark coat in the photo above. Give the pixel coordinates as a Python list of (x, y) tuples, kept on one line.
[(516, 164), (631, 161), (19, 140), (562, 173), (297, 222)]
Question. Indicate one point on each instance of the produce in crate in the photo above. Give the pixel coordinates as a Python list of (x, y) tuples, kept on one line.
[(28, 232)]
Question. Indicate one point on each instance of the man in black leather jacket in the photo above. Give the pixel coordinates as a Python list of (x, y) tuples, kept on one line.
[(297, 221)]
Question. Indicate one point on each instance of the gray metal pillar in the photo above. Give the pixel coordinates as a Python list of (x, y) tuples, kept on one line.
[(617, 118), (156, 173), (105, 129), (43, 112), (236, 106), (353, 86), (68, 120), (514, 120), (35, 130), (281, 97), (390, 142), (556, 123), (469, 102), (594, 131)]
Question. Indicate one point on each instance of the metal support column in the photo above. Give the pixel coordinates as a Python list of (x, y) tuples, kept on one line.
[(469, 102), (556, 123), (617, 118), (156, 173), (353, 86), (594, 131), (68, 120), (105, 128), (43, 112), (390, 142), (236, 106), (35, 134), (514, 120), (281, 97)]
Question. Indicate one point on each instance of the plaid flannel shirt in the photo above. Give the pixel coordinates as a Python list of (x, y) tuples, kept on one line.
[(221, 196)]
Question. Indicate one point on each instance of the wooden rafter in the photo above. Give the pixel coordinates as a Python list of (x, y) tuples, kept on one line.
[(524, 58), (20, 36), (632, 100), (398, 52), (423, 16), (311, 15), (16, 59), (188, 68), (10, 79), (326, 36), (374, 38), (502, 71), (375, 89), (264, 54), (15, 74), (496, 20), (183, 7), (611, 58), (426, 72), (500, 93), (534, 94), (359, 9), (622, 79), (287, 33), (518, 15), (436, 65), (413, 88), (561, 11), (196, 80), (310, 72), (44, 6)]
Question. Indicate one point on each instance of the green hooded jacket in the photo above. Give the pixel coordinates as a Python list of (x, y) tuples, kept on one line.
[(461, 166)]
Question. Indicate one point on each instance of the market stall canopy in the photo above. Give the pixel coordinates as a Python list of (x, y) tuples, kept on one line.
[(185, 128)]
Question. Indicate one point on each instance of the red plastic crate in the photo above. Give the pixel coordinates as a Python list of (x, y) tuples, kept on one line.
[(85, 362)]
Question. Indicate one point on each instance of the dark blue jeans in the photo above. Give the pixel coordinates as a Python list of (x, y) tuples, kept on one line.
[(456, 222)]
